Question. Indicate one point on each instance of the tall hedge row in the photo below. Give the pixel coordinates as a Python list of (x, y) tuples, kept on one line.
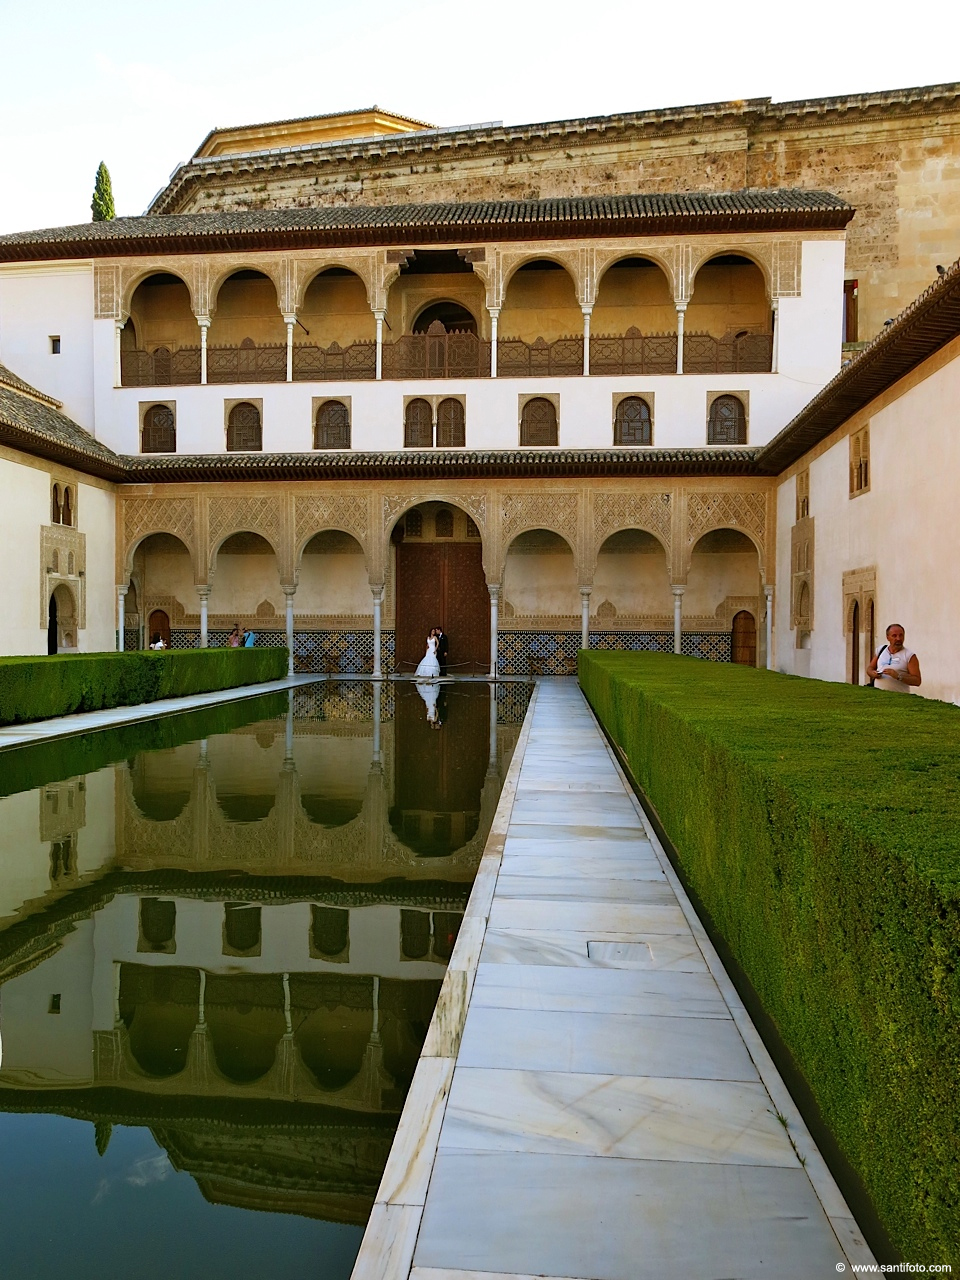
[(38, 688), (820, 826)]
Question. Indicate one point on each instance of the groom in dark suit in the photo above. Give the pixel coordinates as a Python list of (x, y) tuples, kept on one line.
[(443, 648)]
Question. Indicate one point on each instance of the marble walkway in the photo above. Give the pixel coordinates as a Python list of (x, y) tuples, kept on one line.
[(593, 1102)]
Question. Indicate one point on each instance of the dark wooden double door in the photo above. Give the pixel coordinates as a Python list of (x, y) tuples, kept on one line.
[(443, 583)]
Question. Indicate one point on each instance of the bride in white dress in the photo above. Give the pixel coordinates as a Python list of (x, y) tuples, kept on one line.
[(429, 668)]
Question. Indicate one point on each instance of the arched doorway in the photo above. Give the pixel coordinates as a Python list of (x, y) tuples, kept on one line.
[(159, 625), (743, 639), (52, 635), (440, 581), (61, 621), (855, 644)]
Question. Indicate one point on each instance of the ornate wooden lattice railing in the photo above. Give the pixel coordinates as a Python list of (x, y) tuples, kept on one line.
[(518, 359), (163, 368), (356, 363), (437, 355), (633, 353), (750, 353)]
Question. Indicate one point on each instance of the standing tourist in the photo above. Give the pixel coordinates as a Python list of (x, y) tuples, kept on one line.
[(895, 668)]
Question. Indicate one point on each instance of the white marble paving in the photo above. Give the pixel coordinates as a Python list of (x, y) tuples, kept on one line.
[(604, 1109)]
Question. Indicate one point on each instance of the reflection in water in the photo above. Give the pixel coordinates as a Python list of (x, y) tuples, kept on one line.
[(235, 944)]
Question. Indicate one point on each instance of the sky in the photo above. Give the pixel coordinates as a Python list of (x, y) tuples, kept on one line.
[(140, 85)]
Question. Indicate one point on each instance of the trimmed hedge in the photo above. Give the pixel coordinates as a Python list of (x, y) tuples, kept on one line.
[(820, 826), (38, 688)]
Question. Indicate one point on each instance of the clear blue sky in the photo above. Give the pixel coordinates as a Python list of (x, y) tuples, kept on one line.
[(139, 85)]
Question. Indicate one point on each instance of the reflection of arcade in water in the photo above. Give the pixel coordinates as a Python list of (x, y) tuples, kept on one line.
[(231, 942)]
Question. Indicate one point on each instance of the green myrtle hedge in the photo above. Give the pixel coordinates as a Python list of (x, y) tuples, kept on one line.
[(38, 688), (820, 826)]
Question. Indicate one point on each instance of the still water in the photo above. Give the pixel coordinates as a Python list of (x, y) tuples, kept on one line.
[(222, 936)]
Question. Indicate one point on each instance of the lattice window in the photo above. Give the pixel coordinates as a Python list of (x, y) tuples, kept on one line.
[(241, 928), (332, 430), (159, 433), (330, 930), (413, 525), (860, 462), (55, 504), (244, 429), (633, 423), (443, 523), (538, 423), (418, 425), (472, 530), (803, 494), (727, 423), (451, 425)]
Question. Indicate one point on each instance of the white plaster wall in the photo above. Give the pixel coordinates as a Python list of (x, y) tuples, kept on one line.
[(37, 302), (715, 576), (242, 582), (543, 584), (906, 525), (635, 582), (24, 507), (96, 518)]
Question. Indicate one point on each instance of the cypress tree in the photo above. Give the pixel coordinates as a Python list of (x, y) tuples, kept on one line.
[(102, 203)]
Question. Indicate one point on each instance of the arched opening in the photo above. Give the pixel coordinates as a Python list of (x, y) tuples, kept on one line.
[(406, 1008), (855, 643), (62, 635), (729, 321), (418, 424), (724, 580), (541, 324), (55, 504), (440, 581), (334, 589), (53, 633), (332, 427), (246, 1023), (743, 639), (541, 602), (246, 307), (633, 422), (454, 318), (245, 587), (435, 310), (335, 310), (162, 782), (333, 1023), (451, 424), (163, 567), (244, 429), (727, 421), (159, 1005), (632, 582), (159, 434), (66, 509), (538, 423), (333, 774), (634, 321), (160, 342), (158, 627)]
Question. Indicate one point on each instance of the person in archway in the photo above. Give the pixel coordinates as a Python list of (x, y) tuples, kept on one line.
[(443, 648), (429, 668), (895, 668), (157, 642), (233, 639)]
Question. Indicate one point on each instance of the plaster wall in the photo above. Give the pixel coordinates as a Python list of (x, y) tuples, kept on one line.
[(897, 526), (97, 520), (541, 583), (635, 582), (638, 296), (715, 576), (334, 583), (242, 582)]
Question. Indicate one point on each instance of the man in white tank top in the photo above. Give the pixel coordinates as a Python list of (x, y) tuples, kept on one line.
[(894, 668)]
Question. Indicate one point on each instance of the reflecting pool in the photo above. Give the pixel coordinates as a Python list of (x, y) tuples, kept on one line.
[(222, 936)]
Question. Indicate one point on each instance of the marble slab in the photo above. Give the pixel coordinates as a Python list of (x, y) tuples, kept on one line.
[(560, 888), (585, 809), (568, 947), (605, 1044), (588, 917), (548, 863), (388, 1243), (542, 1215), (414, 1148), (596, 990), (630, 1118), (577, 834)]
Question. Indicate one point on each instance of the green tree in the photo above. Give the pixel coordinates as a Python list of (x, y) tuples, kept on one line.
[(102, 203)]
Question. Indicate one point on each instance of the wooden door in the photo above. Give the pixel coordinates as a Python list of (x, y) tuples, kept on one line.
[(159, 626), (443, 583), (743, 642)]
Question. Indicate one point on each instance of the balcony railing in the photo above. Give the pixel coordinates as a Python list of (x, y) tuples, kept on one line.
[(633, 353), (356, 363), (562, 358), (436, 355), (161, 368), (751, 353)]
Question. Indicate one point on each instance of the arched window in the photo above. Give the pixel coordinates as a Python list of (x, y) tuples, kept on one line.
[(538, 422), (55, 505), (71, 564), (728, 421), (418, 425), (443, 523), (451, 425), (244, 429), (241, 927), (414, 524), (332, 429), (55, 561), (632, 424), (330, 930), (66, 511), (855, 644), (159, 430)]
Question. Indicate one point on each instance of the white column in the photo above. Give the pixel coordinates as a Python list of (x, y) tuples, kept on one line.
[(287, 1017), (121, 605), (494, 589), (492, 750), (204, 594), (290, 321), (117, 367), (377, 603), (494, 322), (288, 729), (775, 357), (587, 312), (677, 616), (681, 310), (376, 726), (768, 592), (380, 318), (202, 1001), (289, 593), (585, 617), (204, 323)]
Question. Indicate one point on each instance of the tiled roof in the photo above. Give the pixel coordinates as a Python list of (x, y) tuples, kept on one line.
[(10, 380), (918, 332), (650, 214), (35, 427)]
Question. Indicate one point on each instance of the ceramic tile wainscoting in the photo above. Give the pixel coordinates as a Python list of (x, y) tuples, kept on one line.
[(593, 1102)]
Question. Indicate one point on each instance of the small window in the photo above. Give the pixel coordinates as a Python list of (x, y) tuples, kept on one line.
[(443, 523), (66, 510), (54, 1005), (472, 530), (860, 462), (158, 923), (159, 430), (244, 429), (727, 423), (330, 930), (803, 494), (632, 424), (55, 505), (54, 344), (414, 524), (451, 425), (332, 428), (538, 422), (418, 425), (241, 929)]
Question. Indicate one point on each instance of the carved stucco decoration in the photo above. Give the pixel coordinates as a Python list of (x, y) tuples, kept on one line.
[(557, 511), (859, 587), (314, 513), (615, 511), (246, 514), (143, 516), (58, 543), (746, 512)]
